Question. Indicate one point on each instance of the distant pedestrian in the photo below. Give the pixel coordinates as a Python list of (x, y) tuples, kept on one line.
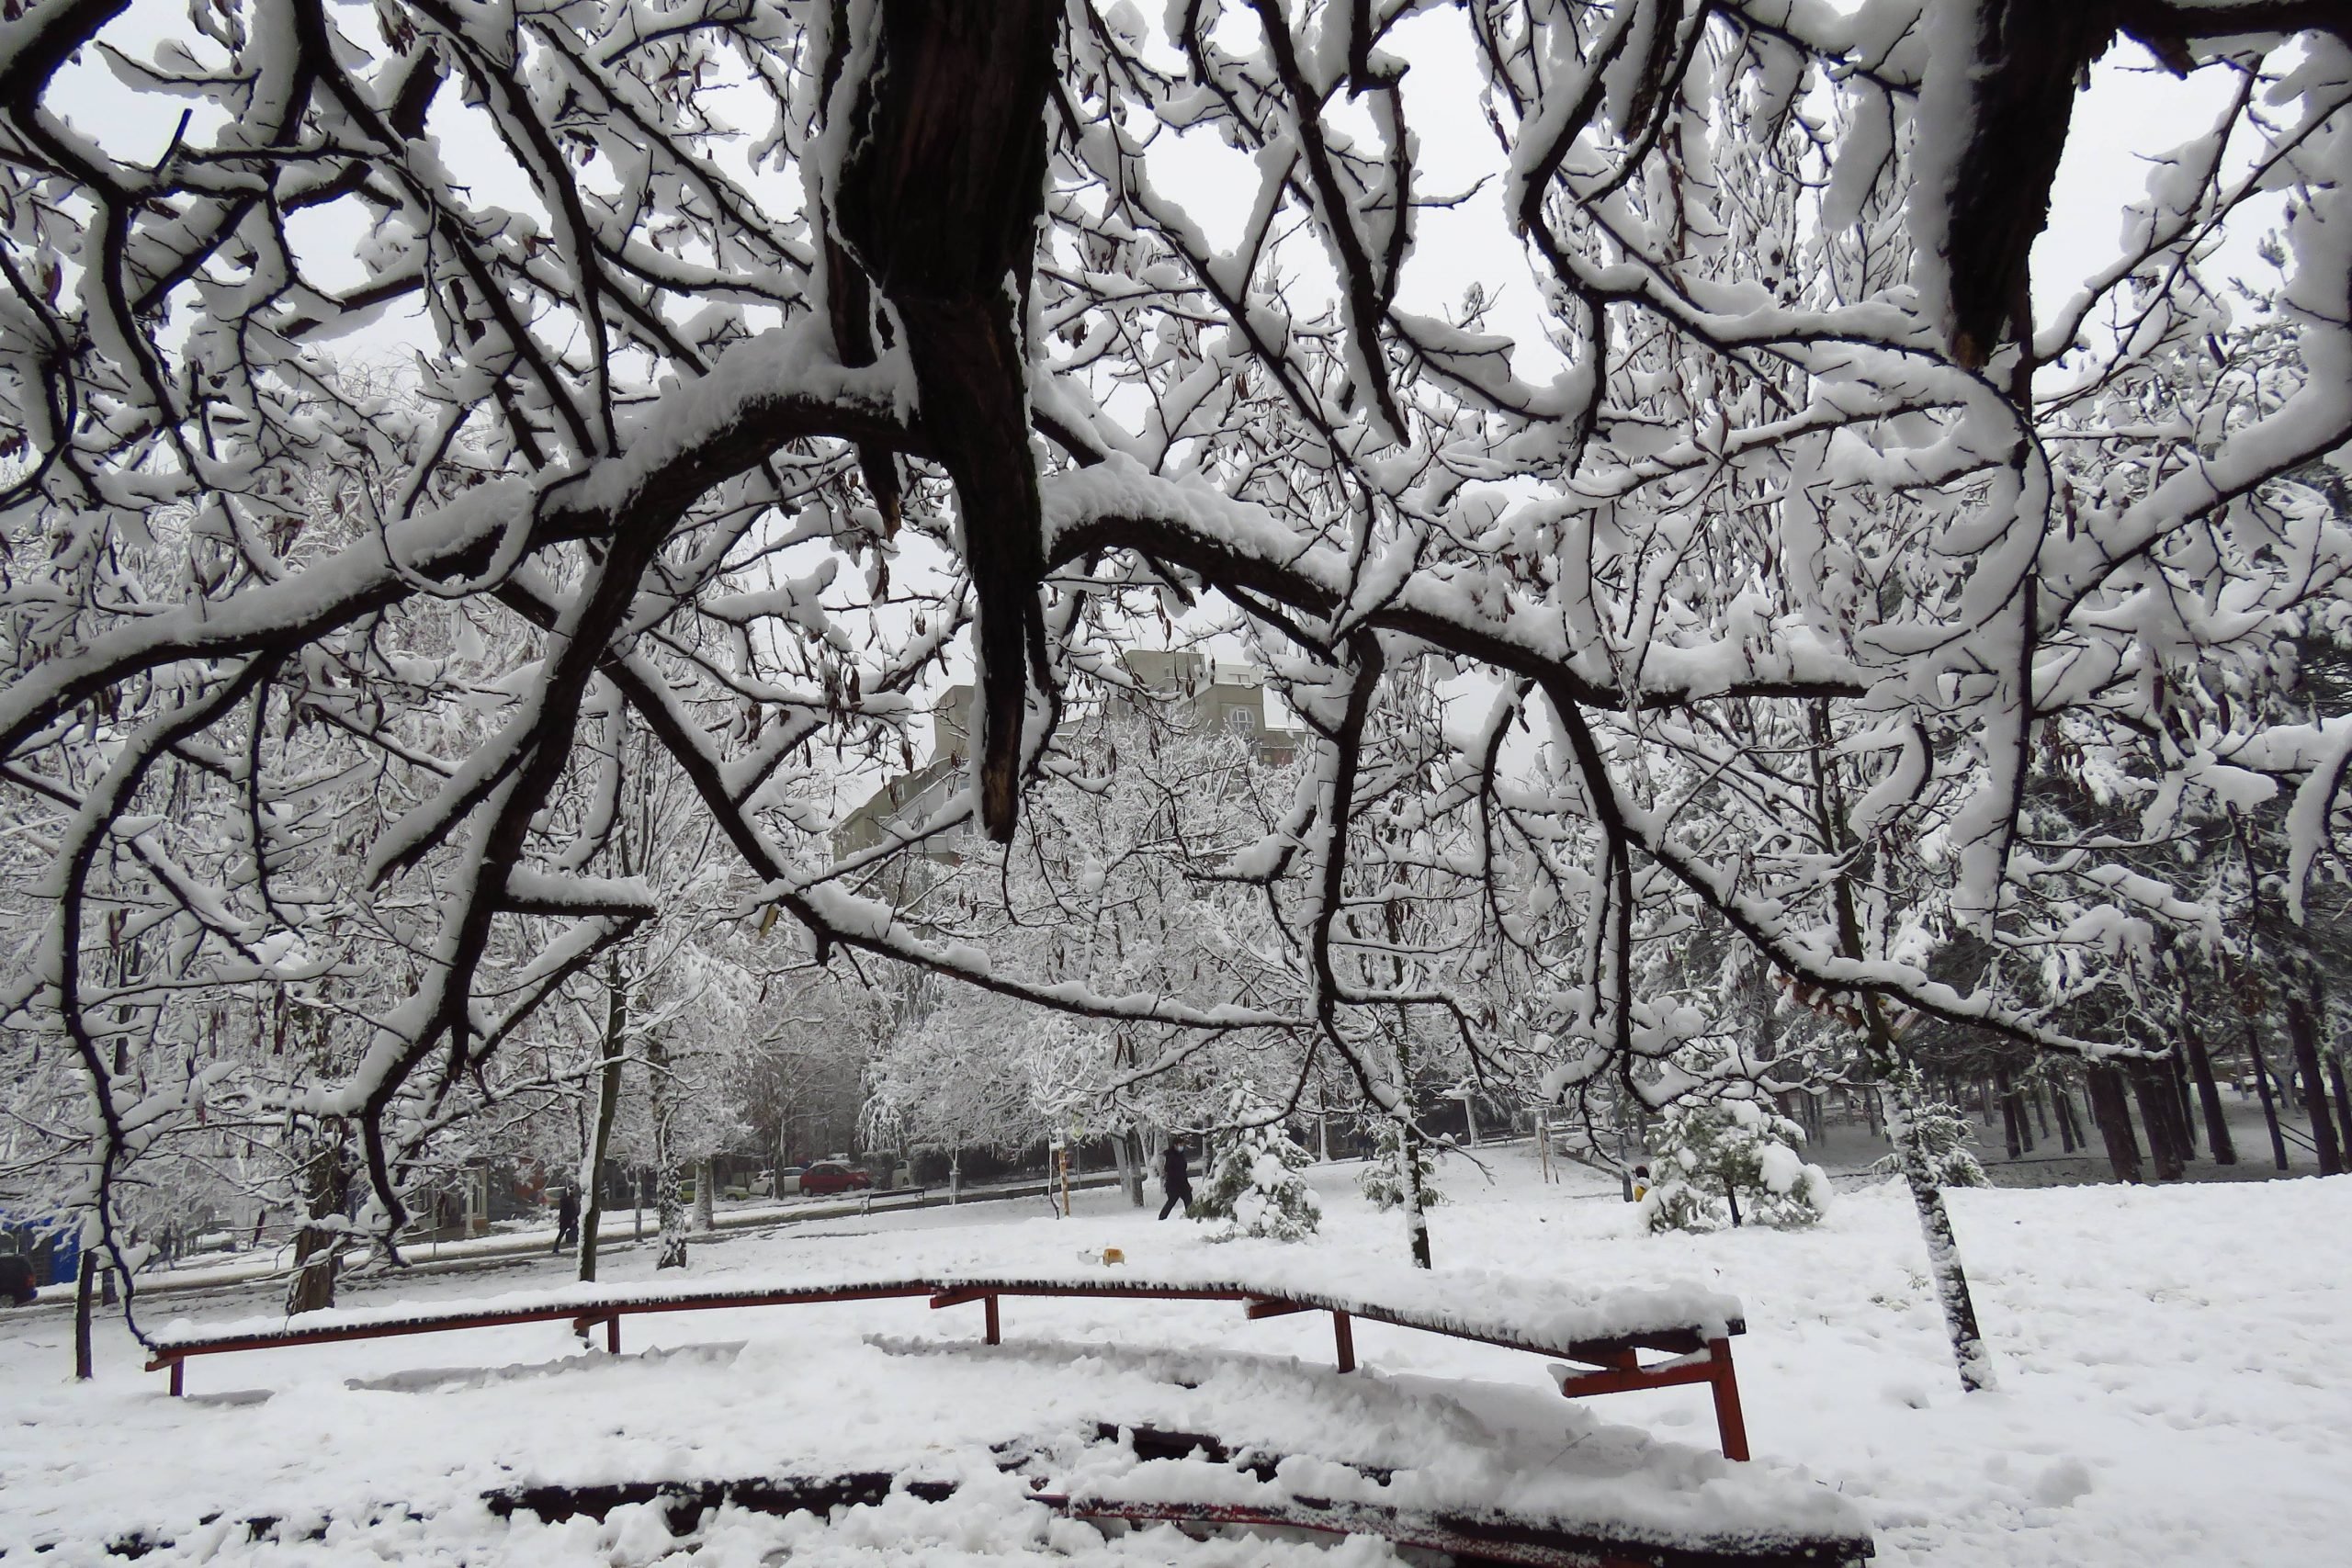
[(567, 1219), (1176, 1179)]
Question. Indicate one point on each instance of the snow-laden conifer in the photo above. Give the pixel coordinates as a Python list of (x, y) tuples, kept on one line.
[(1723, 1161), (1255, 1186), (1382, 1180)]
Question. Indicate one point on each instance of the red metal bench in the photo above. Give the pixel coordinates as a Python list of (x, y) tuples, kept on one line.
[(1607, 1339)]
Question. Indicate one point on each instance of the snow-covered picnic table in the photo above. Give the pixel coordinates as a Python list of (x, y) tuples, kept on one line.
[(1602, 1330), (1250, 1440)]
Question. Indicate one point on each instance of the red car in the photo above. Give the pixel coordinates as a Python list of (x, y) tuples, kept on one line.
[(829, 1177)]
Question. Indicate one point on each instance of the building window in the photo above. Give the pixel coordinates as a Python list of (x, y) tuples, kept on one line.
[(1241, 721)]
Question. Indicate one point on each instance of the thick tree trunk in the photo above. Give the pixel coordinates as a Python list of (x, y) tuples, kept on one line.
[(2114, 1118), (2208, 1091), (1129, 1149), (2027, 58), (706, 1218), (2343, 1100), (85, 1298), (608, 1098), (2184, 1100), (2077, 1137), (2263, 1086), (318, 1248), (2053, 1098), (670, 1209), (1968, 1350), (1408, 1177), (2302, 1031), (2160, 1111), (2013, 1133), (669, 1195)]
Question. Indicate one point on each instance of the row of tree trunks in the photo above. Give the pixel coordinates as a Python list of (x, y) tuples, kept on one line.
[(2104, 1084), (2016, 1129), (2302, 1034), (2269, 1101), (2168, 1141)]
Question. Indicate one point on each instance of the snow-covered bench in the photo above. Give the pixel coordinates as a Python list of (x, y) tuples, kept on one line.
[(1603, 1333)]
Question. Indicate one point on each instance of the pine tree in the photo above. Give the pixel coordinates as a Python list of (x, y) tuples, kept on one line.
[(1732, 1151), (1382, 1181), (1255, 1187), (1940, 1135)]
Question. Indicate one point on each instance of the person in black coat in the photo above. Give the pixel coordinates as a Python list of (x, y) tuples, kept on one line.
[(1176, 1179), (567, 1219)]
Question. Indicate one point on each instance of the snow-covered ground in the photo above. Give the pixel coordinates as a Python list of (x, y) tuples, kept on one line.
[(2175, 1387)]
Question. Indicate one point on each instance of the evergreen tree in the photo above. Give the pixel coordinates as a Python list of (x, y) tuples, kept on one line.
[(1256, 1187), (1940, 1135), (1382, 1181), (1734, 1151)]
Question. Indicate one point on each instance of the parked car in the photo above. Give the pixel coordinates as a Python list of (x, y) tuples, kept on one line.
[(17, 1281), (829, 1177)]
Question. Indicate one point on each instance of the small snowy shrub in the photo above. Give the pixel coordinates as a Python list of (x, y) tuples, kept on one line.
[(1382, 1181), (1255, 1187), (1712, 1152), (1938, 1131)]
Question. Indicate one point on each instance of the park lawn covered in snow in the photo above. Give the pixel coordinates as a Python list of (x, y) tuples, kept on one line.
[(2175, 1386)]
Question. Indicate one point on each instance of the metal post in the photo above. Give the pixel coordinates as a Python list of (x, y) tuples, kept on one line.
[(1730, 1425)]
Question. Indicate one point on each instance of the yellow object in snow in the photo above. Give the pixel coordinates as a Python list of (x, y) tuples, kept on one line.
[(1112, 1255)]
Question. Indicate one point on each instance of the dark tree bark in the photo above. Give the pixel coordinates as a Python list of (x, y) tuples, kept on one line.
[(2160, 1112), (2183, 1106), (2030, 56), (84, 1292), (2343, 1100), (2208, 1091), (939, 200), (608, 1098), (2016, 1119), (318, 1249), (2077, 1138), (2303, 1032), (2269, 1099), (2114, 1118)]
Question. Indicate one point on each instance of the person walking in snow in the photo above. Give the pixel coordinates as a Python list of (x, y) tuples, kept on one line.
[(567, 1219), (1176, 1179)]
